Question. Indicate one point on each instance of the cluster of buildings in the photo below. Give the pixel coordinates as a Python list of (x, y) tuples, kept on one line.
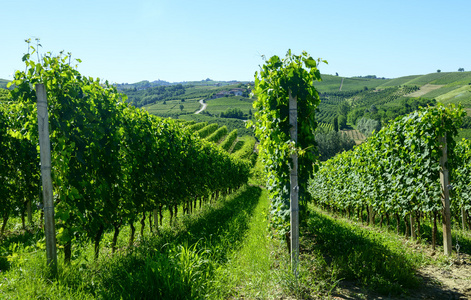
[(233, 92)]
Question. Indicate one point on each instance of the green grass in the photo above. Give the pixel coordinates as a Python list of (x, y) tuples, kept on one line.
[(179, 263), (398, 81), (223, 251), (244, 147), (331, 83), (463, 134), (461, 95), (428, 78), (377, 261), (440, 91), (454, 78), (219, 105), (249, 272), (172, 107)]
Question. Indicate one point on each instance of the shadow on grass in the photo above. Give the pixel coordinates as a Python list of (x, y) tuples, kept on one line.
[(368, 262), (11, 240), (178, 264), (359, 255), (219, 228)]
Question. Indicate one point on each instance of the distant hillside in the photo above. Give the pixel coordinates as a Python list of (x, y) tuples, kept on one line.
[(345, 99), (349, 99), (3, 83), (140, 96), (145, 84)]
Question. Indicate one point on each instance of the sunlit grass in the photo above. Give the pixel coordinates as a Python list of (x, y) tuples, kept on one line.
[(178, 263)]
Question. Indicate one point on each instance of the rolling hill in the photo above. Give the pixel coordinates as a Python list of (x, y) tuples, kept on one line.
[(3, 83)]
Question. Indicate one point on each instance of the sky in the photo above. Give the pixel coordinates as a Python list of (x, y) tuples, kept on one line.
[(179, 40)]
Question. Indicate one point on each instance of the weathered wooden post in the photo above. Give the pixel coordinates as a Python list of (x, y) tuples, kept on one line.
[(464, 219), (294, 188), (444, 182), (45, 156)]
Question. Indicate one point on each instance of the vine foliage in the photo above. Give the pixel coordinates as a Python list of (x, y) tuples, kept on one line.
[(397, 171), (273, 84), (111, 163)]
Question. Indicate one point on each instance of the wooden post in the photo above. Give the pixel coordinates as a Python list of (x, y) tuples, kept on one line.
[(413, 235), (464, 219), (45, 156), (444, 182), (156, 219), (29, 212), (294, 188)]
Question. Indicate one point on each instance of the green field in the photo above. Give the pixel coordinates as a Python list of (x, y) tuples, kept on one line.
[(231, 124), (171, 108), (459, 95), (360, 93), (219, 105)]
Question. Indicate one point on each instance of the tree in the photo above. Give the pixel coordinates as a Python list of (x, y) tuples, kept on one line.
[(461, 70), (342, 120), (367, 126), (373, 109), (343, 109), (335, 123), (181, 107), (438, 71), (329, 143), (235, 113)]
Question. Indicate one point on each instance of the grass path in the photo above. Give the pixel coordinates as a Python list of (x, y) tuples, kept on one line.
[(221, 251), (249, 272)]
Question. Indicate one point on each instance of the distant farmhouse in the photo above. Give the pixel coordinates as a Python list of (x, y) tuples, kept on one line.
[(233, 92)]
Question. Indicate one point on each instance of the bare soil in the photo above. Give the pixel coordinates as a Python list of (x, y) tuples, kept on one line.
[(451, 281), (424, 90), (356, 135)]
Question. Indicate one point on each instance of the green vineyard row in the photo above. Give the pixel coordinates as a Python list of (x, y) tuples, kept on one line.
[(396, 172), (111, 162)]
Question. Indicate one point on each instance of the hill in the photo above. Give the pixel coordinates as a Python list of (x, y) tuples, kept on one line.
[(3, 83), (382, 99), (385, 99)]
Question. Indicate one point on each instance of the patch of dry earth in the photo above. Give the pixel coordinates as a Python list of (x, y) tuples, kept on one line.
[(424, 90)]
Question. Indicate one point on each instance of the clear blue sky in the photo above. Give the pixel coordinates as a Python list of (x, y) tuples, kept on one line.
[(179, 40)]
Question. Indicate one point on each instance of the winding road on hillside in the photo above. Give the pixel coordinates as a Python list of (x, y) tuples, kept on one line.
[(202, 108)]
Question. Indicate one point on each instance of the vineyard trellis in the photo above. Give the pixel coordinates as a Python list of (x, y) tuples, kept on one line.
[(112, 163), (277, 82), (396, 172)]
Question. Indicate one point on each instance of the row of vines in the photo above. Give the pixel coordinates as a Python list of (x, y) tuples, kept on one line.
[(396, 173), (111, 163)]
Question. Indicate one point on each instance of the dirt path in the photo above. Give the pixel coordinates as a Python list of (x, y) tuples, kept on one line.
[(443, 281), (438, 283), (202, 108)]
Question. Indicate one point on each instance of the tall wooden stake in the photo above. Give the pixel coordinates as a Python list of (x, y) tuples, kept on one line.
[(45, 156), (294, 188), (464, 219), (444, 182)]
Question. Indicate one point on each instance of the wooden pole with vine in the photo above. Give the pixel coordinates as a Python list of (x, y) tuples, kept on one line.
[(45, 156), (444, 182), (294, 188), (285, 128)]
